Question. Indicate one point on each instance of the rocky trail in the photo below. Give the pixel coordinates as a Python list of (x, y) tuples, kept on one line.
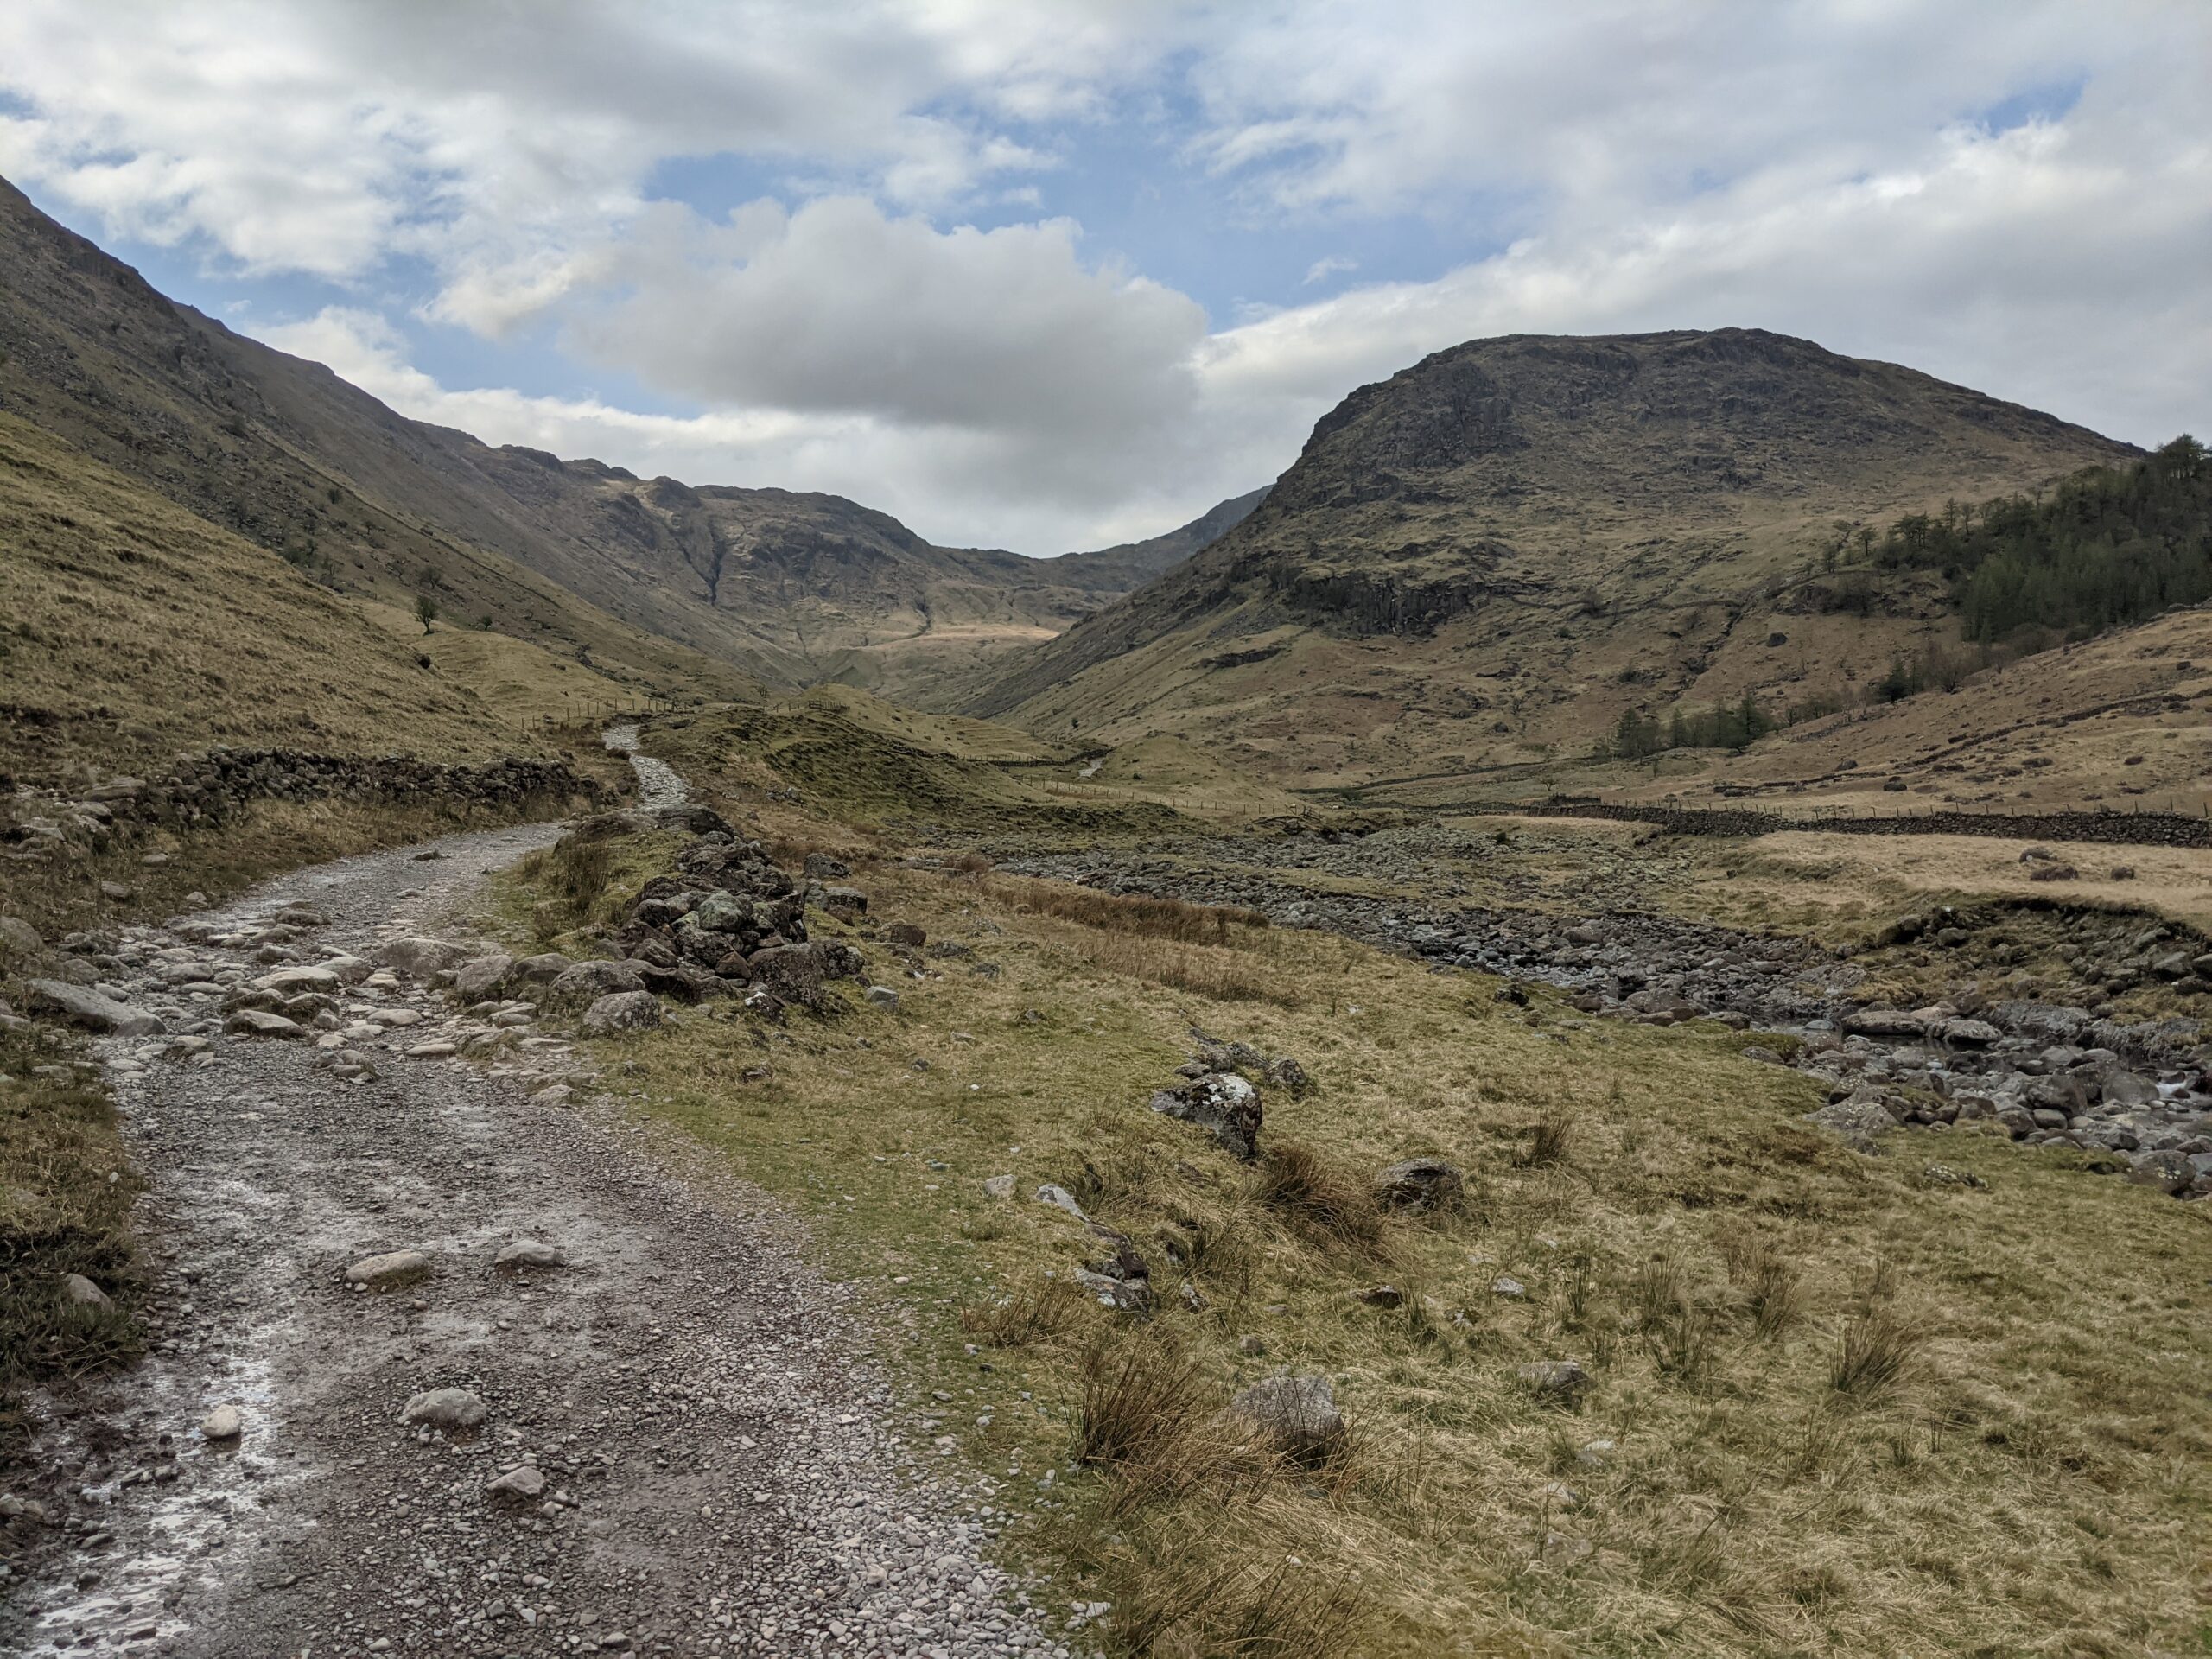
[(448, 1359), (2138, 1095)]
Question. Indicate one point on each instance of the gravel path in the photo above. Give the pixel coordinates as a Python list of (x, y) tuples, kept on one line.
[(707, 1461)]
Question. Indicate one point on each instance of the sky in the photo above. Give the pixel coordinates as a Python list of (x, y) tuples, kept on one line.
[(1057, 274)]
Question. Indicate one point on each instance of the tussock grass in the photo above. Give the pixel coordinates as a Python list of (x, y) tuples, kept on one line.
[(1156, 919), (582, 882), (1747, 1506), (1298, 1182), (1872, 1357), (1771, 1287), (1218, 972), (1035, 1313), (1550, 1138), (1193, 1610)]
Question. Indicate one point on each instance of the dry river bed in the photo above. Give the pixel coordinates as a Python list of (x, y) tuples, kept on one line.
[(685, 1446), (2138, 1096)]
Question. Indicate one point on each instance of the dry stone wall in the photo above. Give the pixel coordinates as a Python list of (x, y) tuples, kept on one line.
[(204, 791), (2118, 829)]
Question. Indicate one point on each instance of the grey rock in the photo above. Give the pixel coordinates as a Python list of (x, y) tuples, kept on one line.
[(481, 977), (525, 1483), (1298, 1415), (1060, 1198), (846, 904), (587, 981), (389, 1270), (622, 1011), (1858, 1121), (883, 996), (419, 957), (1125, 1295), (259, 1023), (531, 1253), (18, 938), (446, 1408), (1420, 1184), (76, 1288), (89, 1008), (999, 1186), (719, 912), (226, 1422), (291, 982)]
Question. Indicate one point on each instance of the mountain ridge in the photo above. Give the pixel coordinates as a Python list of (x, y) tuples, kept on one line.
[(789, 587), (1550, 529)]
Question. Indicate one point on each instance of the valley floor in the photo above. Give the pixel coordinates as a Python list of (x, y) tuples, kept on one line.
[(870, 1308)]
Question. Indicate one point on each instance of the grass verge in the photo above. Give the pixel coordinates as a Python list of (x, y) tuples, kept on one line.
[(65, 1192)]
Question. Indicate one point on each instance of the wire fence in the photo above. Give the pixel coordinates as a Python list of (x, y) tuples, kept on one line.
[(578, 710)]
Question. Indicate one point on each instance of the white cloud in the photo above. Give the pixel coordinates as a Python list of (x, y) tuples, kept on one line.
[(1820, 167), (839, 308)]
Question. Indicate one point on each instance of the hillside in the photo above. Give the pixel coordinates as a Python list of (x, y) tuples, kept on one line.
[(133, 630), (790, 587), (1501, 549)]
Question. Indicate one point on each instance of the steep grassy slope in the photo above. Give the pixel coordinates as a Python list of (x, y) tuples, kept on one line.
[(129, 630), (284, 453), (1500, 549)]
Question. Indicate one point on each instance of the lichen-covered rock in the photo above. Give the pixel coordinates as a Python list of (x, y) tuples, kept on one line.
[(587, 981), (621, 1011), (1222, 1104), (482, 976)]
